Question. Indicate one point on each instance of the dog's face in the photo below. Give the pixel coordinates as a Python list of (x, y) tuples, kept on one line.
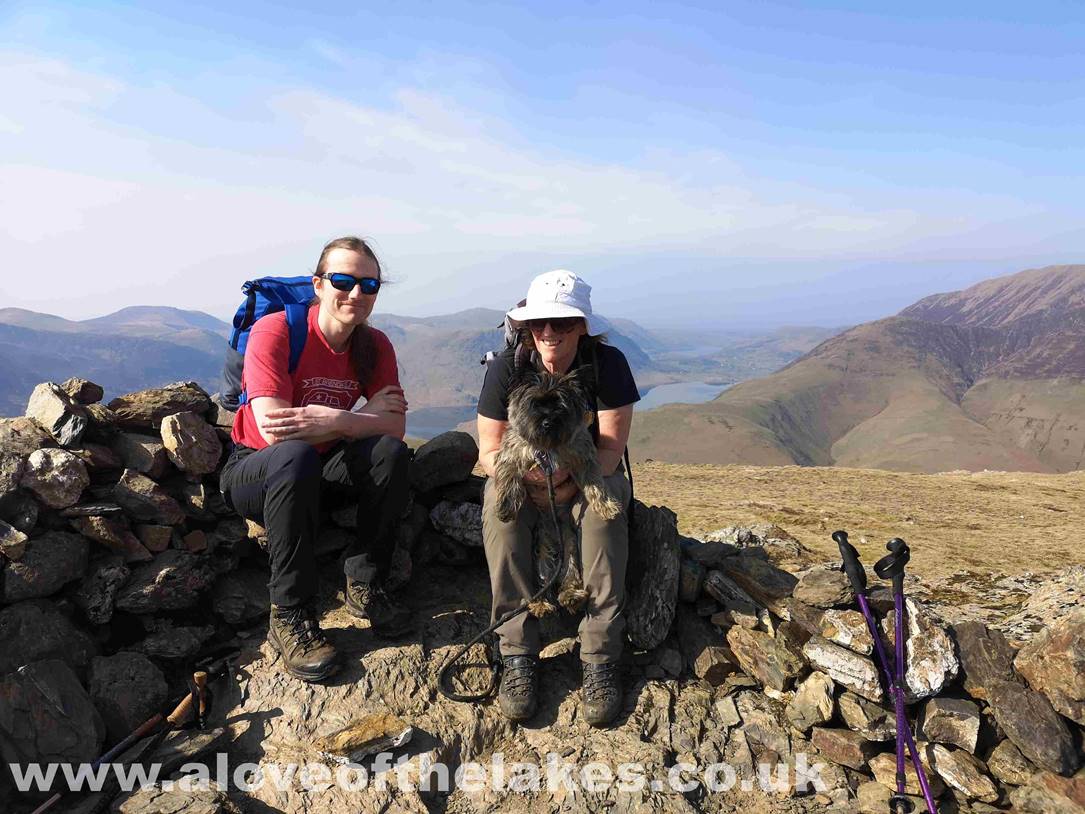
[(549, 410)]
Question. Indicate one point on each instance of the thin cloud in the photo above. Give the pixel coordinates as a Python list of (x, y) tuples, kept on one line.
[(123, 192)]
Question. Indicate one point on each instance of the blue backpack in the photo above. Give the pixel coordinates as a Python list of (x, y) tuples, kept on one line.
[(267, 295)]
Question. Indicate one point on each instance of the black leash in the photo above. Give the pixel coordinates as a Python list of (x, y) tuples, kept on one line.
[(547, 465)]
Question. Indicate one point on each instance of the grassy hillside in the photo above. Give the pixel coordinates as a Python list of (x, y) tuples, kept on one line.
[(1001, 391), (988, 523)]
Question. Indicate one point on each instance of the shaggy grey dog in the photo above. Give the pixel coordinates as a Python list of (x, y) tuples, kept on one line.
[(550, 414)]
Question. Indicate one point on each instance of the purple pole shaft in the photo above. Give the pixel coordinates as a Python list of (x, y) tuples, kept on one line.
[(897, 691), (902, 720)]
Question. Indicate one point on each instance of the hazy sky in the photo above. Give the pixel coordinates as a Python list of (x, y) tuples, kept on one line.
[(729, 164)]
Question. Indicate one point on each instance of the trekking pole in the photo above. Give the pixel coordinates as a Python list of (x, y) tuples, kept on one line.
[(191, 704), (892, 566)]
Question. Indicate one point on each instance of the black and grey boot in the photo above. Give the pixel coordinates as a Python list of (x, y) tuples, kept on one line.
[(602, 693), (295, 633), (369, 601), (518, 695)]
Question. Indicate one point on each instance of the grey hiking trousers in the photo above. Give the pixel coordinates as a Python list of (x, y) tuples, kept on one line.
[(604, 549)]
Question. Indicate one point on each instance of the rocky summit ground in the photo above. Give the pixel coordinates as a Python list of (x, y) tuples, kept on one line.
[(663, 718)]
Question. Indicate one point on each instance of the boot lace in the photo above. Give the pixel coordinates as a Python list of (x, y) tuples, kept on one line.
[(519, 678), (600, 682), (303, 627)]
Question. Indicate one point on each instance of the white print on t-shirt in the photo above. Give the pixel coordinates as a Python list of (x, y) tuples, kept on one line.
[(335, 384), (329, 392)]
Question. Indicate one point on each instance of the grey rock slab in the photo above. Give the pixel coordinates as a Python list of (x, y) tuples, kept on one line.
[(142, 452), (1054, 663), (145, 500), (145, 409), (875, 721), (985, 657), (179, 642), (813, 703), (156, 800), (952, 721), (241, 596), (765, 658), (56, 411), (35, 630), (963, 772), (930, 655), (448, 458), (55, 476), (49, 563), (1008, 764), (114, 534), (191, 443), (82, 391), (19, 437), (847, 668), (460, 521), (97, 592), (46, 716), (1048, 793), (847, 628), (173, 580), (824, 588), (12, 542), (127, 689), (1035, 728)]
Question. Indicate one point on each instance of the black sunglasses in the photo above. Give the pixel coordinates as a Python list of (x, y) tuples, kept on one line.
[(561, 325), (346, 282)]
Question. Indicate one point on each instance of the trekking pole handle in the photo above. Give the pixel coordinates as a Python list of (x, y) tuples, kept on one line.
[(891, 566), (852, 567)]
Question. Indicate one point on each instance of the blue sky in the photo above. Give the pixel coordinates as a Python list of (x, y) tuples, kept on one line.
[(735, 164)]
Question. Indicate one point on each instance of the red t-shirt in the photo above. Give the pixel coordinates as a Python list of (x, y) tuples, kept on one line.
[(323, 376)]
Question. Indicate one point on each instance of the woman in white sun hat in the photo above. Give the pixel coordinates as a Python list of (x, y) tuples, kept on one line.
[(558, 333)]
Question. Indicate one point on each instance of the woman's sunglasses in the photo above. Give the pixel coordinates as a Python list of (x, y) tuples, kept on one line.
[(346, 282), (561, 325)]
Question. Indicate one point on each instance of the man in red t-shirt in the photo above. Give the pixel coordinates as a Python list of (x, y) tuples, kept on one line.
[(336, 422)]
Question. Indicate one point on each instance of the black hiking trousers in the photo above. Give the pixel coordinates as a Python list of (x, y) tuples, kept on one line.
[(280, 487)]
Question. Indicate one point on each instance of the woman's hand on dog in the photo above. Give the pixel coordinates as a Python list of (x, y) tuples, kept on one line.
[(565, 488)]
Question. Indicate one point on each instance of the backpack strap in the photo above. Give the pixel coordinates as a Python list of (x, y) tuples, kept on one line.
[(297, 325)]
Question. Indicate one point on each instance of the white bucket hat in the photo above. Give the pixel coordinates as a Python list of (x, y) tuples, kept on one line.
[(559, 293)]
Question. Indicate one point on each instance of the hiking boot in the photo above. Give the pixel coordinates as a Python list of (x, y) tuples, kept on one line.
[(519, 692), (295, 633), (602, 693), (368, 601)]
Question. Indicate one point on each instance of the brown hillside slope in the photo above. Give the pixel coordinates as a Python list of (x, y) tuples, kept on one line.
[(986, 378)]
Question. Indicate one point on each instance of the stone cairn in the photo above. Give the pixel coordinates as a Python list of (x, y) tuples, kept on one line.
[(120, 561)]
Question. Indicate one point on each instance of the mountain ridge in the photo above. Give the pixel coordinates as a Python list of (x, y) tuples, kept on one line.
[(986, 377)]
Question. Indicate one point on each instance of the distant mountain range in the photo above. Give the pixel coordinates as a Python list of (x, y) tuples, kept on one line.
[(147, 346), (992, 377)]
